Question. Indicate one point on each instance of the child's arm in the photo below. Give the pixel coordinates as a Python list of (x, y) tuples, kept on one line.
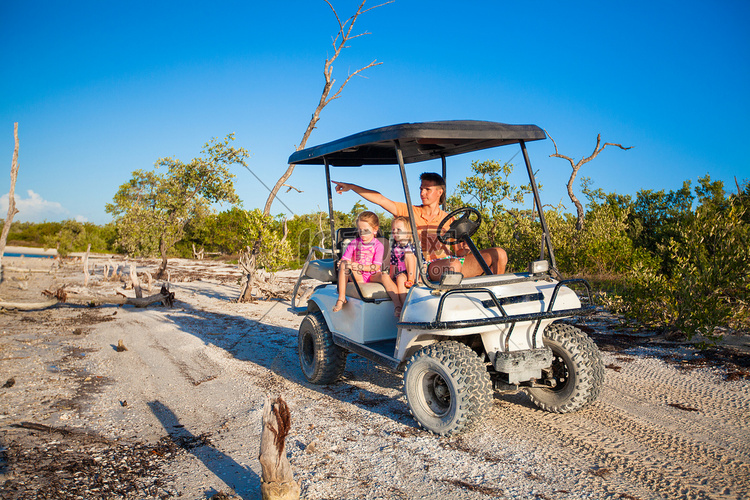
[(377, 257), (410, 261)]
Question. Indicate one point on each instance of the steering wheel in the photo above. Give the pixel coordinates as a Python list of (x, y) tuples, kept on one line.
[(460, 228)]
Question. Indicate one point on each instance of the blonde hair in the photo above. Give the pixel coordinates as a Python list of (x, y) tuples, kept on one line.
[(405, 220), (369, 218)]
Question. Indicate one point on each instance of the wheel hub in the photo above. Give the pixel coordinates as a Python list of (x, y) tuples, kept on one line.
[(437, 394), (557, 374)]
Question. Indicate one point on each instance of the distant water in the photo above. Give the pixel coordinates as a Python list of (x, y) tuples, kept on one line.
[(13, 254)]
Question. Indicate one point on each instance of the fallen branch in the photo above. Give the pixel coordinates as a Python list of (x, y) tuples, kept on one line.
[(24, 270), (65, 432), (164, 296), (27, 306)]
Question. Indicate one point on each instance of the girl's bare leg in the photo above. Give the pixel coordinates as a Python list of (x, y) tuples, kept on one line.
[(401, 285), (411, 268), (390, 287), (343, 277)]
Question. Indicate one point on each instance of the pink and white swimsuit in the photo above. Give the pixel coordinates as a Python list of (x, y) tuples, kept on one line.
[(365, 257)]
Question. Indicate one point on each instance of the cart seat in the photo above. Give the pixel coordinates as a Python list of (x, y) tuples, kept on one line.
[(321, 270), (369, 291)]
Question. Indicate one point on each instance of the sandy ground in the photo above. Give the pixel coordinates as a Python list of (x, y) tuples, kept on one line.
[(178, 413)]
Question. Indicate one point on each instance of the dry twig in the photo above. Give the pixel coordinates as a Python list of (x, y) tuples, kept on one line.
[(577, 166)]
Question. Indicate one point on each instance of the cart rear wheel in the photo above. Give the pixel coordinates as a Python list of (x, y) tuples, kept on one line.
[(447, 387), (577, 371), (321, 360)]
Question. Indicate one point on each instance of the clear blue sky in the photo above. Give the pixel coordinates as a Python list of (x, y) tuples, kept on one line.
[(104, 88)]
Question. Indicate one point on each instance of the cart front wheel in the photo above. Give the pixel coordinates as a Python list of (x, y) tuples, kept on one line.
[(447, 387), (577, 372)]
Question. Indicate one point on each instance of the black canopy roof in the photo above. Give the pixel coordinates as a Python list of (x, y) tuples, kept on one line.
[(418, 141)]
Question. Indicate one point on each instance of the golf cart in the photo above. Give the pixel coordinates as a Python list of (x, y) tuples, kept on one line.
[(458, 339)]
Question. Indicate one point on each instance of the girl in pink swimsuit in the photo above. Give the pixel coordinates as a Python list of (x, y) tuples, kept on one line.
[(363, 258)]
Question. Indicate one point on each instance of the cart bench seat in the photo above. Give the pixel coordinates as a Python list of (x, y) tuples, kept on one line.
[(369, 291), (321, 270)]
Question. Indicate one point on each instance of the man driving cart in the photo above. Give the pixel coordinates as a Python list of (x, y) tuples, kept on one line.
[(428, 216)]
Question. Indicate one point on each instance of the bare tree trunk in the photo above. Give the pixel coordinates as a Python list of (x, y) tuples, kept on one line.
[(149, 280), (248, 266), (86, 266), (576, 167), (340, 42), (198, 254), (12, 211), (343, 37), (277, 479), (109, 265), (136, 283), (161, 272)]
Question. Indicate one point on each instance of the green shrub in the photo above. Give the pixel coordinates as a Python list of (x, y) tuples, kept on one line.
[(709, 283)]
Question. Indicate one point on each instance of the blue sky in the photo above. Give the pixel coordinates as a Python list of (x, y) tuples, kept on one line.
[(101, 89)]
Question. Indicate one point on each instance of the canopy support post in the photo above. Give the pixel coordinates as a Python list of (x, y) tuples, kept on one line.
[(546, 240), (412, 219), (331, 220)]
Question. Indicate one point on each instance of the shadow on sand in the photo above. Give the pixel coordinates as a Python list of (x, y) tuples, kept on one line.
[(241, 479), (274, 347)]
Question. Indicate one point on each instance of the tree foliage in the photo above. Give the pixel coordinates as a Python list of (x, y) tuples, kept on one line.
[(706, 283), (232, 231), (152, 209), (66, 236), (489, 191)]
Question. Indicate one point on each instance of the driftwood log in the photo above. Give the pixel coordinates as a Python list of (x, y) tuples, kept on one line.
[(149, 280), (28, 306), (60, 296), (277, 479), (11, 269)]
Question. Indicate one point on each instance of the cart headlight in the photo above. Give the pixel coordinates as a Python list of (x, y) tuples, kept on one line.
[(538, 267)]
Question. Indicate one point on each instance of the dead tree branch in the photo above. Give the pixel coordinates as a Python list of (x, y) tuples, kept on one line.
[(576, 167), (340, 42)]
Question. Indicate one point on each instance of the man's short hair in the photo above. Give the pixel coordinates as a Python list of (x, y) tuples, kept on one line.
[(434, 178)]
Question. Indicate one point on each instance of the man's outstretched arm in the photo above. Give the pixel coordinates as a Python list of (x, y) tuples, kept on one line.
[(368, 194)]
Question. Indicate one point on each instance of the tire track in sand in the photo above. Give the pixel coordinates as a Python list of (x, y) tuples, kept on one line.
[(632, 432)]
